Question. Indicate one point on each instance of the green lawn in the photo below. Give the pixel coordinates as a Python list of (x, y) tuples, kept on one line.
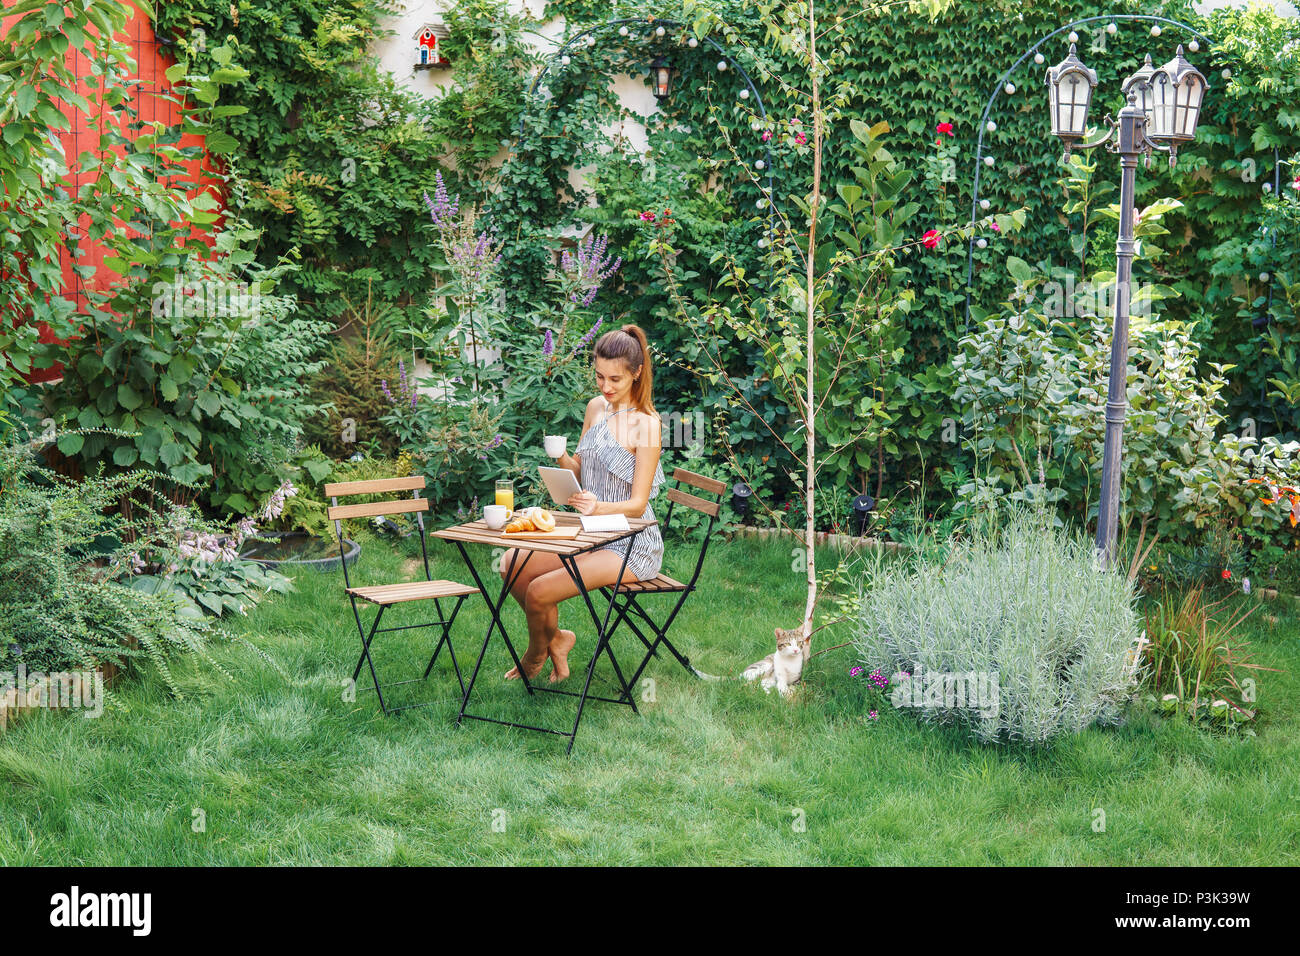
[(284, 770)]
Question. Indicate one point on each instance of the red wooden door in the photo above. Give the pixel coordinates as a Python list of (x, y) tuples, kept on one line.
[(151, 60)]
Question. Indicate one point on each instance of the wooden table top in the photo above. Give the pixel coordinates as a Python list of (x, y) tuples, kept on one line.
[(477, 532)]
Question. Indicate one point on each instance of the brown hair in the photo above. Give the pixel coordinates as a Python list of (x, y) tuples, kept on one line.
[(629, 344)]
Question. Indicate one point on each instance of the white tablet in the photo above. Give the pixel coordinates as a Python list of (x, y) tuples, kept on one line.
[(560, 482)]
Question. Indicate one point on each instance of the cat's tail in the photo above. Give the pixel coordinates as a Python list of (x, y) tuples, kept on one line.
[(758, 669), (703, 676)]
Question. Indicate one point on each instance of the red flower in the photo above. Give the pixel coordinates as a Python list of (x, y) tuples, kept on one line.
[(945, 128), (931, 239), (1227, 575)]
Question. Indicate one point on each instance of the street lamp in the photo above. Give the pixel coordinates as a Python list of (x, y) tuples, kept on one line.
[(1163, 107)]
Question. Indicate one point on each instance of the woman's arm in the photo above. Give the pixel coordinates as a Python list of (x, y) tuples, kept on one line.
[(574, 462)]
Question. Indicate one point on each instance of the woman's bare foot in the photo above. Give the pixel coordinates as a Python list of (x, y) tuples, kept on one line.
[(559, 654), (531, 668)]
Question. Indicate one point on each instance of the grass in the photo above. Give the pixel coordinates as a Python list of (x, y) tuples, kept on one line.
[(282, 770)]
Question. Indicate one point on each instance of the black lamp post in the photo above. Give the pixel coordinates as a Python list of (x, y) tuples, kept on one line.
[(661, 76), (1163, 107)]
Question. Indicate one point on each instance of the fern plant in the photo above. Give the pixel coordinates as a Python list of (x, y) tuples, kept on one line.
[(61, 543)]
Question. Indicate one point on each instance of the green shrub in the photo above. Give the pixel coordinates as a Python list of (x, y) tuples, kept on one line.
[(1024, 611), (351, 386)]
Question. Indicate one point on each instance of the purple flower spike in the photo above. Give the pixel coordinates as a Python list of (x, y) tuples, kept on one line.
[(548, 346), (441, 208), (590, 268)]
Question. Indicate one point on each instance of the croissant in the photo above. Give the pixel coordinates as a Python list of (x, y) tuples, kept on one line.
[(520, 522), (531, 519)]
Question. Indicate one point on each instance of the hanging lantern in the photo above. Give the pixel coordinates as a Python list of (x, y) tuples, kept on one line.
[(1139, 87), (661, 77), (1070, 85), (1177, 91)]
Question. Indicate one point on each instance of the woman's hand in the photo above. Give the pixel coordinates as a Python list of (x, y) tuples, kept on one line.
[(584, 501)]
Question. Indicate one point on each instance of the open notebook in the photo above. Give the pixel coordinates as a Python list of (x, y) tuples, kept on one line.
[(605, 523)]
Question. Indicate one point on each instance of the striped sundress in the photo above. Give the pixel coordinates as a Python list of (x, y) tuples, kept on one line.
[(607, 470)]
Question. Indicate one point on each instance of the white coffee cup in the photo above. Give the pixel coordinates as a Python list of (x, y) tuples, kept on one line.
[(555, 446), (495, 516)]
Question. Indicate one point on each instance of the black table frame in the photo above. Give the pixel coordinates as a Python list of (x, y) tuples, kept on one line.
[(570, 564)]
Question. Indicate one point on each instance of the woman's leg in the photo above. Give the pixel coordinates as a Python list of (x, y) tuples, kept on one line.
[(541, 605), (538, 563)]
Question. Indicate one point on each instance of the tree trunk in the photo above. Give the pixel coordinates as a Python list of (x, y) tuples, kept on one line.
[(810, 426)]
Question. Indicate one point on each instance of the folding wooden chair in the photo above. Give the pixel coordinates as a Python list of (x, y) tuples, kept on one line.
[(384, 596), (662, 583)]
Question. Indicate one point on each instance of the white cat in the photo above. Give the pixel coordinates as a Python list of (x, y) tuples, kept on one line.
[(784, 668)]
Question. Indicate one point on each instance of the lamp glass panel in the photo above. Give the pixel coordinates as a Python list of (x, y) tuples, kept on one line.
[(1075, 94), (661, 81), (1163, 106), (1193, 91)]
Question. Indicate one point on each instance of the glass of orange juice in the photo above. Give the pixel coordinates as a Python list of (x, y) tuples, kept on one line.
[(506, 495)]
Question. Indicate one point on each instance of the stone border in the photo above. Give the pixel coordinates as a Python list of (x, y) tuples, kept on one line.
[(845, 542)]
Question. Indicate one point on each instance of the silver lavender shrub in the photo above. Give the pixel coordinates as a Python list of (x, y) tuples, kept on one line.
[(1025, 606)]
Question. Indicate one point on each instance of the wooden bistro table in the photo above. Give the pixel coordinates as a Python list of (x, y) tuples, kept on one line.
[(567, 549)]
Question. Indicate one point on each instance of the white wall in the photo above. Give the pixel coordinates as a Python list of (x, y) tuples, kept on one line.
[(1284, 8), (397, 56)]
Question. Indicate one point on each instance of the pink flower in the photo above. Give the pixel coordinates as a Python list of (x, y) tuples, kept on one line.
[(996, 227), (800, 138), (945, 128), (648, 216), (1296, 185), (931, 239), (767, 134)]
